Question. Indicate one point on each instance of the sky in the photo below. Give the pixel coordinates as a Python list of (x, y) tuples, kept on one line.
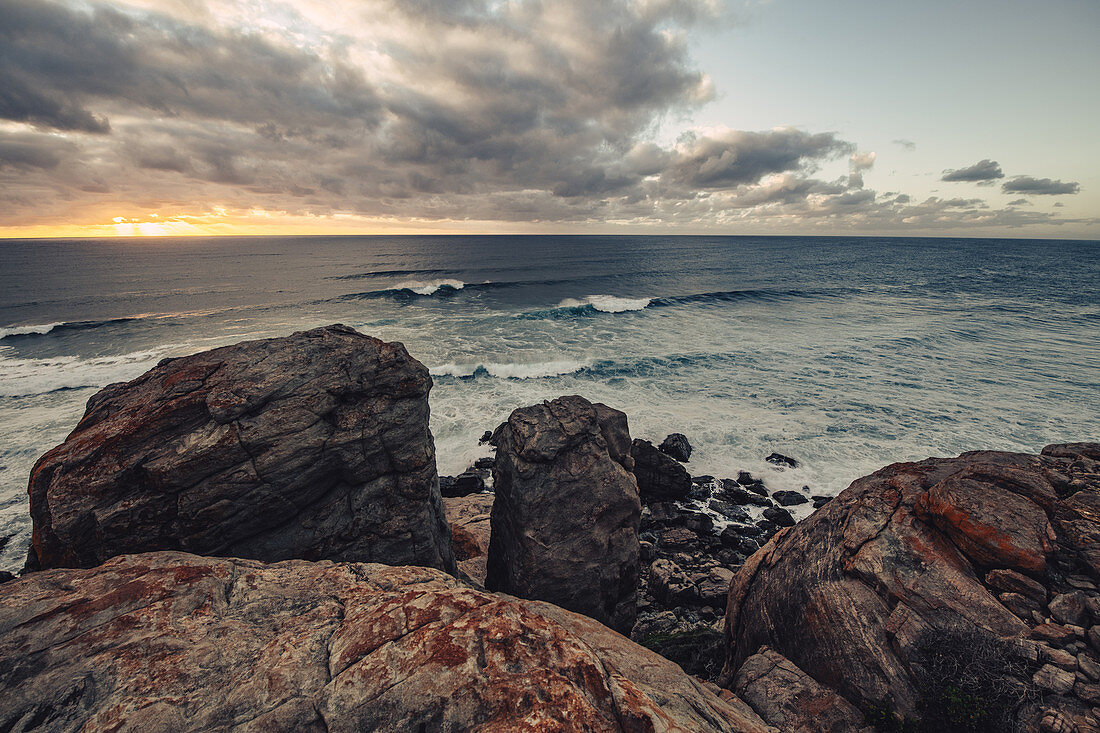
[(177, 117)]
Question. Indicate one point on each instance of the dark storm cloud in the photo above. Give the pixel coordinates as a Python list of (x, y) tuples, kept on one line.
[(1039, 186), (984, 170), (32, 151), (67, 68), (739, 157)]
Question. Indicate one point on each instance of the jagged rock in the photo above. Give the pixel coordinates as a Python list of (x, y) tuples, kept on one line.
[(566, 515), (312, 446), (729, 511), (677, 446), (660, 477), (788, 498), (670, 585), (485, 462), (485, 437), (778, 459), (469, 520), (849, 593), (171, 641), (820, 500), (715, 587), (463, 484), (738, 495), (1069, 608), (779, 515), (788, 698)]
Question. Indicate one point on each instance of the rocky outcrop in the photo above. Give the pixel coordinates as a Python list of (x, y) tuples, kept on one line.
[(660, 476), (788, 698), (469, 519), (565, 518), (677, 446), (171, 641), (311, 446), (992, 556)]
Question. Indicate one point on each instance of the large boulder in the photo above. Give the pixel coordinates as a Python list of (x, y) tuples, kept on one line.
[(170, 641), (311, 446), (924, 568), (660, 476), (566, 514), (469, 519)]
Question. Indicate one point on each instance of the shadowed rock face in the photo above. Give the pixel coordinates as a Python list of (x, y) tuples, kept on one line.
[(171, 641), (565, 518), (976, 543), (311, 446)]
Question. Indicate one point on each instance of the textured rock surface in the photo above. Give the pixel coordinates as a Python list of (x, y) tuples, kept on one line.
[(788, 698), (171, 641), (660, 476), (469, 520), (565, 519), (314, 446), (677, 446), (847, 594)]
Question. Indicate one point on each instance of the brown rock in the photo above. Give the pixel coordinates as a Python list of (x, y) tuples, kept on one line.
[(788, 698), (469, 520), (311, 446), (848, 594), (1053, 679), (1069, 608), (1020, 605), (566, 514), (170, 641)]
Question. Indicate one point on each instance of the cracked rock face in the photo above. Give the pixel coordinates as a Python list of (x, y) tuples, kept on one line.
[(566, 513), (311, 446), (1005, 544), (171, 641)]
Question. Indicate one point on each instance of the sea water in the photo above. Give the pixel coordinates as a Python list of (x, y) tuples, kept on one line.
[(846, 354)]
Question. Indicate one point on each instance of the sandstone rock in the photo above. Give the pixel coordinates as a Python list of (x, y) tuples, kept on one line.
[(312, 446), (1013, 582), (565, 519), (1053, 679), (170, 641), (1069, 608), (469, 520), (677, 446), (660, 477), (788, 698), (848, 593)]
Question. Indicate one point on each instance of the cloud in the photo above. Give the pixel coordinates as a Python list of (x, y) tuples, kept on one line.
[(905, 144), (1039, 186), (984, 170), (736, 157)]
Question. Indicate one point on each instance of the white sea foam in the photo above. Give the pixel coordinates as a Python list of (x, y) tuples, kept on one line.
[(428, 288), (24, 330), (607, 303), (26, 377), (537, 370)]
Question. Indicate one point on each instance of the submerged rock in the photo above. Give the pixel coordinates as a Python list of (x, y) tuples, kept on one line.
[(566, 515), (660, 476), (923, 561), (311, 446), (677, 446), (171, 641), (778, 459)]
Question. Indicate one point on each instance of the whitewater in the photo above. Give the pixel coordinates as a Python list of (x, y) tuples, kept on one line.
[(844, 353)]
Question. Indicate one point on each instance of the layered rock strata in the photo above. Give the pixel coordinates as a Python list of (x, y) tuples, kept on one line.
[(311, 446)]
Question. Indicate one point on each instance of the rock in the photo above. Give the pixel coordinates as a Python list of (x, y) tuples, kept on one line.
[(485, 437), (486, 462), (850, 594), (566, 515), (660, 477), (5, 576), (699, 523), (778, 459), (670, 585), (311, 446), (463, 484), (714, 588), (788, 698), (679, 539), (1069, 608), (170, 641), (469, 520), (1089, 666), (1013, 582), (1019, 604), (1053, 679), (677, 446), (788, 498), (779, 515), (728, 510), (704, 479), (820, 500), (734, 493)]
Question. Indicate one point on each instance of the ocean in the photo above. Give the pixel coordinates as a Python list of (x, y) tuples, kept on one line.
[(845, 353)]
